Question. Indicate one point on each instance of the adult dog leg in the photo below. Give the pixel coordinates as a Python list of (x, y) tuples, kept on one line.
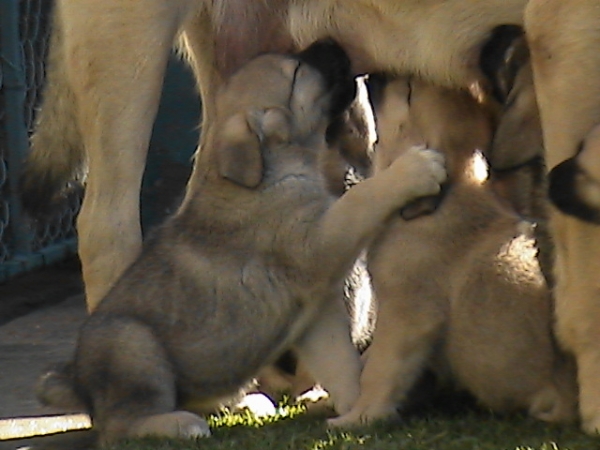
[(577, 294), (327, 352), (564, 39), (116, 53)]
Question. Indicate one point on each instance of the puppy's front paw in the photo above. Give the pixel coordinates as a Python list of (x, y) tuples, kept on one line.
[(365, 415), (176, 424), (421, 172)]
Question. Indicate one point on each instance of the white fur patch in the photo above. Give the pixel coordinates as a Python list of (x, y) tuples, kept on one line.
[(258, 404)]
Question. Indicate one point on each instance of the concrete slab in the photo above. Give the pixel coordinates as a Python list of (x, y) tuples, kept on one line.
[(28, 345)]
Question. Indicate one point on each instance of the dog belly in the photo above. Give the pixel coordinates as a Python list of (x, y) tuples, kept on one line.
[(221, 365)]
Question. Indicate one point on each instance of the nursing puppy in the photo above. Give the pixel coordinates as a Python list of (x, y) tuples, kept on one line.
[(458, 291), (252, 264), (516, 154)]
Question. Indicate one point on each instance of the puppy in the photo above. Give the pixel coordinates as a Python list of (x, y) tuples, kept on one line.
[(252, 264), (345, 163), (458, 291)]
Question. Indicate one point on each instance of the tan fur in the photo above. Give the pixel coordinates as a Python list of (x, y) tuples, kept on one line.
[(114, 55), (459, 290), (57, 147), (245, 270), (564, 40), (381, 35), (516, 154)]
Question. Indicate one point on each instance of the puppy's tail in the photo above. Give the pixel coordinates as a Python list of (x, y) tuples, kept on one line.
[(56, 156), (56, 387)]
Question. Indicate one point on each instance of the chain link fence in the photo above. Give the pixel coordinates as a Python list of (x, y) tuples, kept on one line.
[(24, 38)]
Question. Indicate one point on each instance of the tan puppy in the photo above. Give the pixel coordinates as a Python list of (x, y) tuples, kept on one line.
[(460, 290), (252, 265)]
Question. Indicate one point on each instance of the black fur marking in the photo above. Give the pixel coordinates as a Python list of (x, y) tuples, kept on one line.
[(497, 63), (563, 191), (287, 363), (331, 60), (376, 83), (334, 130)]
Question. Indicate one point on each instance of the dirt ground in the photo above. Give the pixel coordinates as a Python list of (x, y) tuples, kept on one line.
[(40, 314)]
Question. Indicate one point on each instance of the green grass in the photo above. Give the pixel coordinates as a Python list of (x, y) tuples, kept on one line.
[(440, 428)]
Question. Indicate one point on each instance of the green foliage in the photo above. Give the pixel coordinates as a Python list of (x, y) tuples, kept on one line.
[(434, 429)]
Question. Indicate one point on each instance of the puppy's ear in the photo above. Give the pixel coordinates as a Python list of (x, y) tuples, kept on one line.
[(501, 58), (239, 157)]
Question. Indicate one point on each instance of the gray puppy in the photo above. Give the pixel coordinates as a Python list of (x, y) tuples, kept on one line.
[(251, 265)]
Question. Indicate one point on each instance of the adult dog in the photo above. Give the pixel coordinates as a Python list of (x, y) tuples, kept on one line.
[(458, 291), (106, 66), (253, 262)]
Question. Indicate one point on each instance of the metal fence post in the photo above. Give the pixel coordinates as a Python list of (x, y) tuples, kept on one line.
[(15, 90)]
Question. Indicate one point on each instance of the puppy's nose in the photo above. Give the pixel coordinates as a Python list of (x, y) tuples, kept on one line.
[(329, 58)]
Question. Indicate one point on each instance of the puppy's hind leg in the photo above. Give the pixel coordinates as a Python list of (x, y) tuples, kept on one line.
[(126, 371), (327, 352), (404, 338)]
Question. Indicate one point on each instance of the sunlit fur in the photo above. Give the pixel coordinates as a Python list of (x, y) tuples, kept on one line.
[(458, 291)]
